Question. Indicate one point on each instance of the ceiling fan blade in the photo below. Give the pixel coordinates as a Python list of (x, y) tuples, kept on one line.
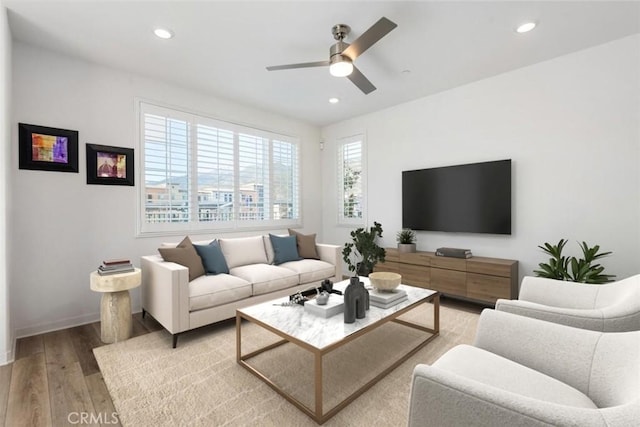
[(301, 65), (358, 79), (369, 38)]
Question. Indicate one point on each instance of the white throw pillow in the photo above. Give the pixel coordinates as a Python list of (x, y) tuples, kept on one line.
[(243, 251)]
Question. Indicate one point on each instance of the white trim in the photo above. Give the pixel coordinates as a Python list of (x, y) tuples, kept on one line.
[(69, 322)]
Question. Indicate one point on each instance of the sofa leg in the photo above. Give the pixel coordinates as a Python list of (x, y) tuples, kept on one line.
[(175, 340), (144, 312)]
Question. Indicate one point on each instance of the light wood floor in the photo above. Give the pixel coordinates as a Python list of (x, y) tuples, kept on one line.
[(55, 378)]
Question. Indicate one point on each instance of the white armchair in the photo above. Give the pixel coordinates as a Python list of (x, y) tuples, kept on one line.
[(527, 372), (612, 307)]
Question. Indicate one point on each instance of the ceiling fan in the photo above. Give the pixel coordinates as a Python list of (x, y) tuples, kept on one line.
[(342, 55)]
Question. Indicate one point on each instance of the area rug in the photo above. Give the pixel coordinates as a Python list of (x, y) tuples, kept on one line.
[(200, 384)]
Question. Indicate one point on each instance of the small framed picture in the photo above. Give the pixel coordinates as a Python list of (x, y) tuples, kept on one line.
[(109, 165), (47, 149)]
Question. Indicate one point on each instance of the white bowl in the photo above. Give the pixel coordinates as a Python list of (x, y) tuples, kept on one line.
[(384, 280)]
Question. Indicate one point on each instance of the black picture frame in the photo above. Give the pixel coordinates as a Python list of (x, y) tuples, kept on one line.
[(47, 149), (108, 165)]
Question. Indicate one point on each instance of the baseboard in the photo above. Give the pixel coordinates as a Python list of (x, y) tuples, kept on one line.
[(56, 326), (7, 358)]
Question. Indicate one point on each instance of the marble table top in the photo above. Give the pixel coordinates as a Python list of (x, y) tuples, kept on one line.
[(320, 332)]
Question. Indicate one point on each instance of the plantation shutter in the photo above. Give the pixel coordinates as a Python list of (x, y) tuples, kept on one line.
[(215, 174), (253, 176), (284, 180), (350, 180), (166, 164), (202, 174)]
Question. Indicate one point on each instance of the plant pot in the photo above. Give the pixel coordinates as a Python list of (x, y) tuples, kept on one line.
[(406, 247), (363, 269)]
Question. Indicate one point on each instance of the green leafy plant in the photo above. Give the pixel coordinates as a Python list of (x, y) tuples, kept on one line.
[(406, 236), (363, 247), (572, 269)]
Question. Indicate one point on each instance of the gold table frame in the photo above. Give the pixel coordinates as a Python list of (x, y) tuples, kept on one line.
[(318, 414)]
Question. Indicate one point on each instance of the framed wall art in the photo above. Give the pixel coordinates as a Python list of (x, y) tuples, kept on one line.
[(47, 149), (109, 165)]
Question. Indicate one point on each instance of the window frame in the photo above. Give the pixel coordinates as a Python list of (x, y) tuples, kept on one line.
[(341, 220), (194, 225)]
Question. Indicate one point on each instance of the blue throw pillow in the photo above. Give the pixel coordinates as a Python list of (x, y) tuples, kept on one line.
[(212, 258), (285, 249)]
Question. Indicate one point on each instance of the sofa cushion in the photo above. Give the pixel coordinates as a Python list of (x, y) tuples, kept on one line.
[(211, 291), (184, 254), (268, 247), (266, 278), (496, 371), (285, 249), (311, 270), (306, 244), (243, 251), (212, 258)]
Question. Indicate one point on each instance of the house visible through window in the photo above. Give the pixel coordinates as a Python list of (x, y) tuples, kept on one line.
[(350, 180), (200, 173)]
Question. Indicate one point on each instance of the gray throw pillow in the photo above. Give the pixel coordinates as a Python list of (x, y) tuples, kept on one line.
[(285, 249), (212, 258)]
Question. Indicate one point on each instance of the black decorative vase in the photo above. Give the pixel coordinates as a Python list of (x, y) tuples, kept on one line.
[(356, 300)]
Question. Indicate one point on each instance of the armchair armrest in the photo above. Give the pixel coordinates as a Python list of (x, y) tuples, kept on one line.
[(331, 254), (567, 352), (165, 292), (592, 319), (441, 398)]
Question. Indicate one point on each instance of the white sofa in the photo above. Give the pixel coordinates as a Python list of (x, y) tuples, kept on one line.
[(528, 372), (180, 305)]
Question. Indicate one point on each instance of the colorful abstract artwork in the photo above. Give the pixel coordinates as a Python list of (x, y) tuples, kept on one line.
[(48, 149)]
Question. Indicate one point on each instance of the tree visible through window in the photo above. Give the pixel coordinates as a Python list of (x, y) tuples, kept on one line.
[(350, 167)]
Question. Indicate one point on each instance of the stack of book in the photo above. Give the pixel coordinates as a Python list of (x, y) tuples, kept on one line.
[(386, 299), (115, 266), (454, 252)]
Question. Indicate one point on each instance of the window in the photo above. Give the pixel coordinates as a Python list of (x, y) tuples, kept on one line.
[(350, 180), (201, 174)]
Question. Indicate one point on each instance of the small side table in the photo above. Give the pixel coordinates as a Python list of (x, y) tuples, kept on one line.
[(115, 305)]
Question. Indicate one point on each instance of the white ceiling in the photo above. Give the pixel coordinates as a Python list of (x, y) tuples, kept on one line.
[(222, 48)]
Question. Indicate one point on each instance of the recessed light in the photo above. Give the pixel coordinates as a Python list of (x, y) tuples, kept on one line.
[(525, 28), (163, 33), (334, 100)]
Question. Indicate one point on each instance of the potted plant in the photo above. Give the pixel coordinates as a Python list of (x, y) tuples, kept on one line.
[(572, 269), (406, 240), (362, 253)]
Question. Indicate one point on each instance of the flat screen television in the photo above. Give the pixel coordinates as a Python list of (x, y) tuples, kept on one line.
[(474, 198)]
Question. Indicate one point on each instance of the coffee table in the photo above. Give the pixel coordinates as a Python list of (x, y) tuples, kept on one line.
[(321, 336)]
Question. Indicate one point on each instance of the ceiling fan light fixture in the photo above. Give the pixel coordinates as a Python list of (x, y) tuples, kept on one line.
[(341, 66)]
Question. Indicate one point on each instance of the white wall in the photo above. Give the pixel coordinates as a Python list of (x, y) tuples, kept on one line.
[(569, 124), (62, 227), (6, 339)]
